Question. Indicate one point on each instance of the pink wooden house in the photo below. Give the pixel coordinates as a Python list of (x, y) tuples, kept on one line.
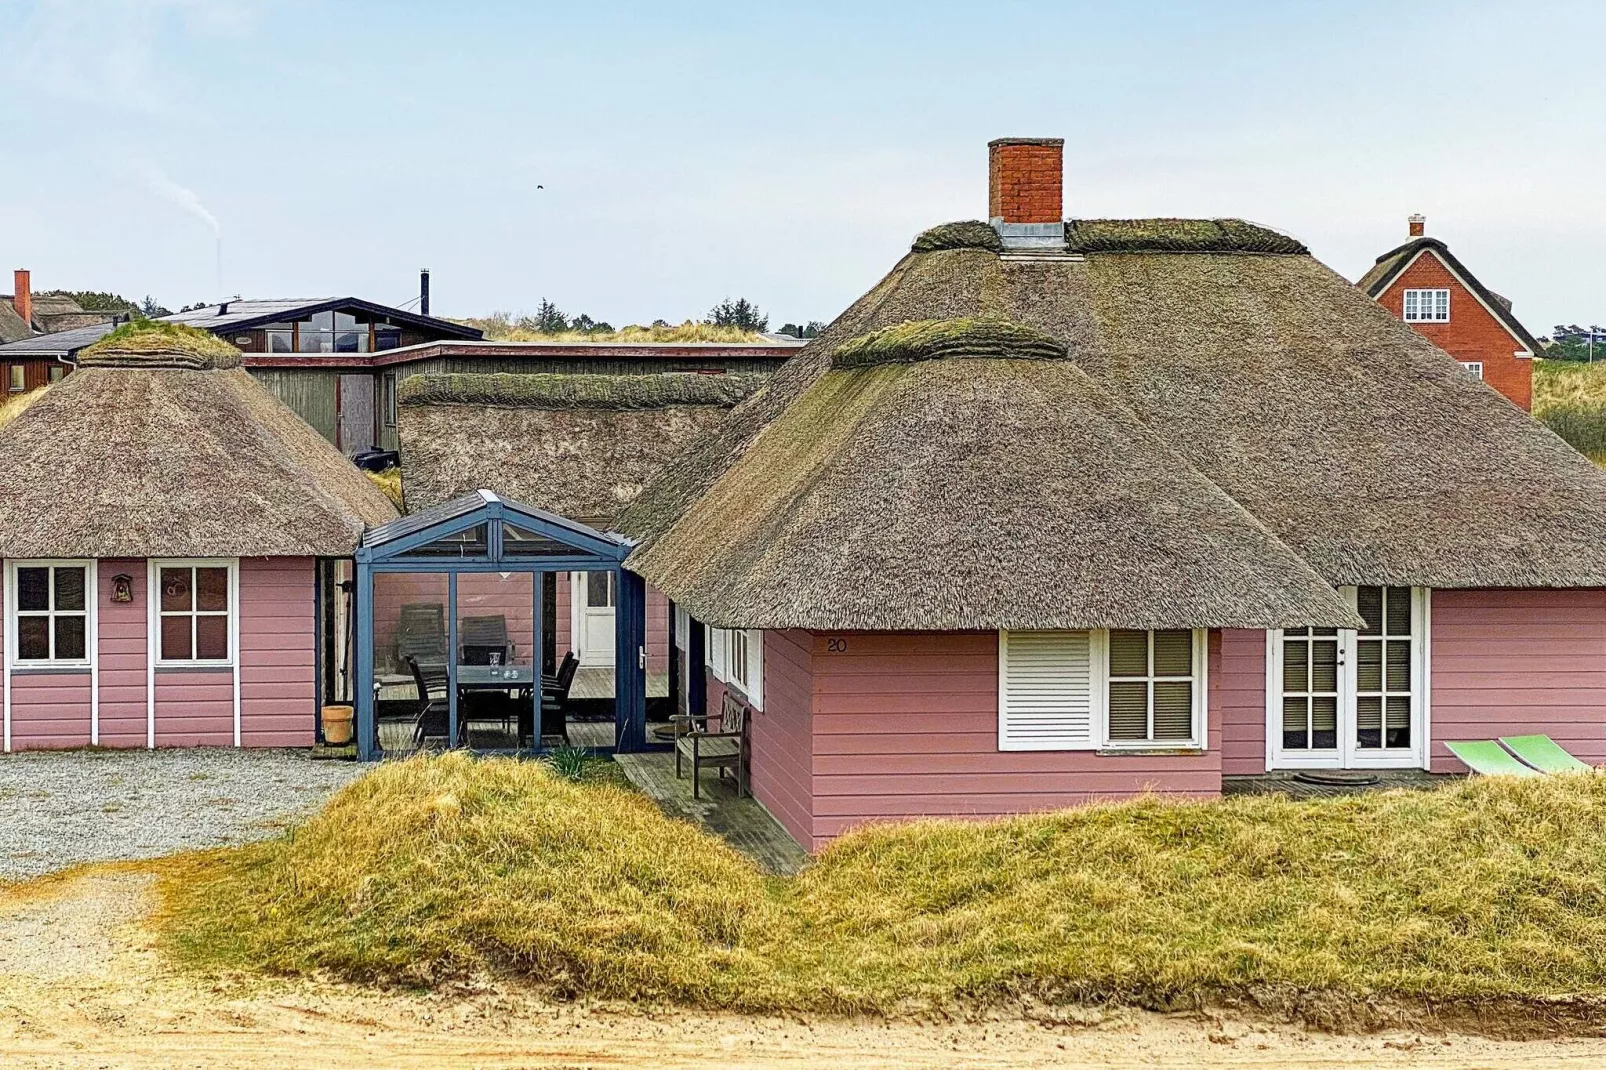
[(1064, 510), (165, 525)]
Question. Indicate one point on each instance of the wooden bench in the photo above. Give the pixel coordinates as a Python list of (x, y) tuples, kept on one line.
[(697, 739)]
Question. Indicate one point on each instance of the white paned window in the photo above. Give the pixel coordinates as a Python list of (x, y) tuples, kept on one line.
[(1047, 690), (1155, 696), (194, 612), (1475, 367), (736, 657), (50, 612), (1427, 306)]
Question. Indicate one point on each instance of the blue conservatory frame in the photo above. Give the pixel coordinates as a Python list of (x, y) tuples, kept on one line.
[(385, 549)]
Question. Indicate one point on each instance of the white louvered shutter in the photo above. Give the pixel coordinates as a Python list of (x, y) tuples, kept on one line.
[(1045, 691)]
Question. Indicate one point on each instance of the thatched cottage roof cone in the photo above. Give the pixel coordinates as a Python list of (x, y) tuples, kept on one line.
[(1234, 432), (161, 445)]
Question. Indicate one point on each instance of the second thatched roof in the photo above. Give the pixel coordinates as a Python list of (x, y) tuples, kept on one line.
[(151, 449), (578, 445)]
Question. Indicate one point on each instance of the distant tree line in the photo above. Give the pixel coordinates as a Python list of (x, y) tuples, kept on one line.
[(1572, 342)]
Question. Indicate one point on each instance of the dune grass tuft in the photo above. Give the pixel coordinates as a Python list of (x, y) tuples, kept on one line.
[(1570, 399), (431, 868), (389, 481), (15, 405)]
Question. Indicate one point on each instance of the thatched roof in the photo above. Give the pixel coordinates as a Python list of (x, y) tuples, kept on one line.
[(1359, 445), (581, 446), (158, 453)]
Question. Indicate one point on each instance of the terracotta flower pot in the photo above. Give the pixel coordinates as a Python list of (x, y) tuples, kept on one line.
[(337, 725)]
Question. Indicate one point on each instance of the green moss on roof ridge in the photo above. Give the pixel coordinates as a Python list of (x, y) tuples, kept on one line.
[(1176, 236), (967, 234), (146, 343), (578, 391), (914, 340)]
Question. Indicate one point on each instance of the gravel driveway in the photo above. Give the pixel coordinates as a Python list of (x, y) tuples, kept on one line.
[(61, 808)]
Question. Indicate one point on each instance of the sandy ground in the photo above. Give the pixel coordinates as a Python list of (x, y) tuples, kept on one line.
[(82, 986)]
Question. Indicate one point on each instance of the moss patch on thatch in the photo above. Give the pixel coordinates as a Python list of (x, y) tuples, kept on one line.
[(158, 344), (1176, 236), (905, 343), (966, 234), (578, 391)]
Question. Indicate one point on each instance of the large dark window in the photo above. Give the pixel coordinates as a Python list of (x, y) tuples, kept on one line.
[(332, 332), (52, 613)]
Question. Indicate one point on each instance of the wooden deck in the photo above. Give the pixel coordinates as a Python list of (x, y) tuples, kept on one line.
[(741, 822), (596, 682), (1316, 783)]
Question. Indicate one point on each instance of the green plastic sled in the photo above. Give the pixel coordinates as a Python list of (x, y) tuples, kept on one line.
[(1486, 757), (1544, 754)]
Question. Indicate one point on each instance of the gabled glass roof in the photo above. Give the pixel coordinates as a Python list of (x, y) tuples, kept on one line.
[(482, 524)]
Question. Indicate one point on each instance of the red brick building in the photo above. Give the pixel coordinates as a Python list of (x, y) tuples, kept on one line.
[(1424, 284)]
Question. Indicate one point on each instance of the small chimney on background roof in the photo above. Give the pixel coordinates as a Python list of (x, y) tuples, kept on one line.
[(1419, 224), (423, 292), (1026, 191), (22, 295)]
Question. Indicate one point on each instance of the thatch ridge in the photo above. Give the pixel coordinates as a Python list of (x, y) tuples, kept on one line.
[(180, 463), (1165, 235), (158, 344), (578, 391), (904, 343), (964, 234)]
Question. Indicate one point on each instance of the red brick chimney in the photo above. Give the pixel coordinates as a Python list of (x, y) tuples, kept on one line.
[(22, 295), (1419, 224), (1026, 180)]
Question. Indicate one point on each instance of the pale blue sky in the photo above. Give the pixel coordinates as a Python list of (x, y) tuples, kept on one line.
[(785, 152)]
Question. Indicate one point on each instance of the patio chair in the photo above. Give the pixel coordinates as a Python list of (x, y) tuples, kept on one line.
[(480, 637), (1544, 754), (697, 739), (421, 633), (1487, 759), (433, 720)]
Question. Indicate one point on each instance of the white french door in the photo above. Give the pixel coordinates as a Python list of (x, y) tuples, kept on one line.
[(593, 616), (1342, 699)]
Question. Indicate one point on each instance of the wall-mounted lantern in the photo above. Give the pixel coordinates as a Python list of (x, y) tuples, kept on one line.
[(122, 587)]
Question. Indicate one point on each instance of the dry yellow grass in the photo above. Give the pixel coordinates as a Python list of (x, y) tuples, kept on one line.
[(1488, 891), (389, 481), (15, 405), (1570, 399)]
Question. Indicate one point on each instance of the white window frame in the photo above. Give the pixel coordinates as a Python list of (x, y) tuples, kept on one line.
[(1346, 755), (722, 647), (1201, 698), (155, 614), (1436, 311), (1099, 700), (12, 612), (1475, 367)]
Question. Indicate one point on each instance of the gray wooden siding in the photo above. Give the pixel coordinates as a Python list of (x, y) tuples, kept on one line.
[(310, 392)]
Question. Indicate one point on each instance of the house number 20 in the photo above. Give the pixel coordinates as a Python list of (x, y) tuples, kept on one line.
[(836, 646)]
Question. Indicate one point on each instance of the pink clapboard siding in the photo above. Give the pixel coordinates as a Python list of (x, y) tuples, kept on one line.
[(781, 734), (1242, 690), (123, 709), (278, 652), (50, 710), (1509, 662), (905, 725)]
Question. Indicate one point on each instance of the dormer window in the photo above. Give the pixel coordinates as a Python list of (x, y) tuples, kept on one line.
[(1427, 306)]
